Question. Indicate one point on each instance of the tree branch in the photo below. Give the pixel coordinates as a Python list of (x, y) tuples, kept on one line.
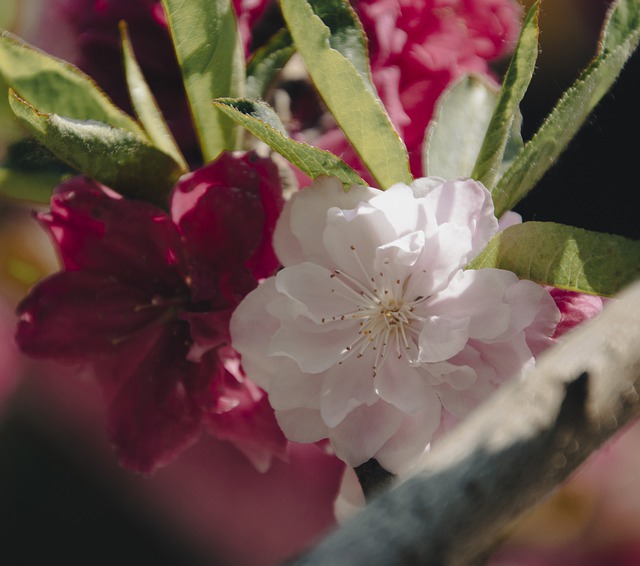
[(507, 456)]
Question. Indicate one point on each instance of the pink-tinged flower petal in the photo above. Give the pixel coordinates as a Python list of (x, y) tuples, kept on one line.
[(364, 431), (97, 230), (290, 390), (226, 213), (444, 253), (442, 338), (509, 219), (464, 202), (302, 425), (315, 291), (300, 236), (248, 323), (460, 403), (477, 295), (409, 441), (340, 396), (348, 238), (403, 386), (509, 359)]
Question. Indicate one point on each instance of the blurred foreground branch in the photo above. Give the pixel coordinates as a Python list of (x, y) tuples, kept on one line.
[(507, 456)]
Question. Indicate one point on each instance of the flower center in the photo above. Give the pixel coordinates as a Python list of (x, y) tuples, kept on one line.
[(387, 323)]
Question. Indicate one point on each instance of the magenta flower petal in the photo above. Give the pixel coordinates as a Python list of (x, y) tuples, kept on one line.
[(145, 303), (97, 230), (226, 213), (246, 418), (75, 315), (147, 381)]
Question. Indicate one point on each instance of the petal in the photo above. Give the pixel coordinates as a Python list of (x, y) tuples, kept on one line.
[(510, 359), (152, 415), (477, 295), (251, 328), (412, 438), (226, 214), (364, 431), (130, 240), (403, 386), (442, 338), (462, 202), (298, 237), (352, 236), (302, 425), (460, 403), (345, 387), (74, 315), (250, 425), (444, 253), (317, 292), (533, 311), (400, 208), (291, 388), (574, 307), (209, 330)]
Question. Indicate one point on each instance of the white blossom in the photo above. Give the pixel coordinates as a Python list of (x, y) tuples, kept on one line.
[(373, 334)]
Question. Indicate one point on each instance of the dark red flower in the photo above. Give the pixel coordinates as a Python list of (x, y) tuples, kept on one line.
[(145, 298)]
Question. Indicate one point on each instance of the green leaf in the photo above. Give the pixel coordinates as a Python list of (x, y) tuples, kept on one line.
[(623, 19), (514, 86), (456, 132), (119, 159), (145, 105), (55, 86), (266, 63), (211, 57), (330, 39), (263, 122), (564, 256), (35, 187), (30, 171), (621, 36)]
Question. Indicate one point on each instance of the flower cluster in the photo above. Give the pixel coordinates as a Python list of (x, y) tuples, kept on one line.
[(374, 335), (144, 299)]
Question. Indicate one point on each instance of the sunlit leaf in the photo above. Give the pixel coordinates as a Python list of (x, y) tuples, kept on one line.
[(456, 132), (514, 86), (128, 163), (55, 86), (564, 256), (211, 58), (263, 122), (145, 105), (330, 39)]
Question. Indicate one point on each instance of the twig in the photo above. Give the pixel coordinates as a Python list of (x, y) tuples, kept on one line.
[(506, 457)]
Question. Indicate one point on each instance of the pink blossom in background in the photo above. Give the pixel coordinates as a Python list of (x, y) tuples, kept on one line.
[(575, 308), (419, 47), (373, 335), (144, 299)]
